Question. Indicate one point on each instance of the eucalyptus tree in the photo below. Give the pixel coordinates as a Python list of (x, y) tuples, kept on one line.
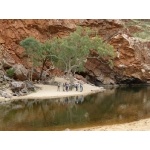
[(39, 53), (74, 49), (32, 49), (48, 52), (69, 53)]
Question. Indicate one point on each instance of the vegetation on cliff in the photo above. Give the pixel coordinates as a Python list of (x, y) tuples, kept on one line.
[(142, 28), (69, 53), (39, 53)]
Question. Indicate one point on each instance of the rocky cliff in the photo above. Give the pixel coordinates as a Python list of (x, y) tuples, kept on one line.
[(132, 64)]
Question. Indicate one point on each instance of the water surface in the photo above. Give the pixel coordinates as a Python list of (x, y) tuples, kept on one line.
[(113, 106)]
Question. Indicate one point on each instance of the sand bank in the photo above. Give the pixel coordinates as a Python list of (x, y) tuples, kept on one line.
[(50, 91), (141, 125)]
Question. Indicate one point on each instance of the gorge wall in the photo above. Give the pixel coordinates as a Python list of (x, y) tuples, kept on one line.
[(132, 62)]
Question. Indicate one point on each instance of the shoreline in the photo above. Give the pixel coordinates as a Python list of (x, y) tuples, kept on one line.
[(50, 92), (140, 125)]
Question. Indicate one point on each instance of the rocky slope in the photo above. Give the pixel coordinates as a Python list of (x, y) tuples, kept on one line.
[(132, 64)]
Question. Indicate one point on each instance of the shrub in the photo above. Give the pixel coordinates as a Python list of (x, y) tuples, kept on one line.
[(10, 72)]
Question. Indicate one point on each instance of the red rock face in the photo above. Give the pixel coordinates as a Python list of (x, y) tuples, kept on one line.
[(132, 59), (14, 31)]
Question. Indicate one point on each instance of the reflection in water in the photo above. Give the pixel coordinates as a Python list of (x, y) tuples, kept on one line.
[(113, 106)]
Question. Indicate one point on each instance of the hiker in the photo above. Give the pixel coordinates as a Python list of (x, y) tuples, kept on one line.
[(81, 87), (64, 86), (76, 86), (58, 87), (67, 86)]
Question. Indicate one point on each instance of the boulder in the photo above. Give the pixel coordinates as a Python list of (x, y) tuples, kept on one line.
[(17, 86), (6, 63), (35, 75), (7, 78), (7, 60), (45, 75), (80, 77), (5, 94), (108, 81), (20, 72), (1, 74), (29, 86)]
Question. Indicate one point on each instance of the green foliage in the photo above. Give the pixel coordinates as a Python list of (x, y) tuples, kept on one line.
[(69, 53), (143, 36), (33, 49), (103, 49), (144, 28), (50, 47), (39, 53), (74, 49), (30, 44), (10, 72)]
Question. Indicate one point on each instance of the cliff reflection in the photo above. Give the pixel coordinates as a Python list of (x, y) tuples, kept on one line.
[(113, 106)]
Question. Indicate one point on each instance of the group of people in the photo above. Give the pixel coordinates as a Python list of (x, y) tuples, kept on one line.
[(69, 87)]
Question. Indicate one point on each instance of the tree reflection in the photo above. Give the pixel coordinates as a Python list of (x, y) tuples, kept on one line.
[(113, 106)]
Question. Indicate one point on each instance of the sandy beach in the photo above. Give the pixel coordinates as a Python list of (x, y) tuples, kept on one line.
[(50, 91), (141, 125)]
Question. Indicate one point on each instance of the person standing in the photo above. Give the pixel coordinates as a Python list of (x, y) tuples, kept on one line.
[(81, 87), (64, 86), (76, 86), (58, 87), (67, 87)]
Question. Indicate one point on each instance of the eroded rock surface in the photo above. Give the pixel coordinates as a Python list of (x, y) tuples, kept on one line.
[(133, 56)]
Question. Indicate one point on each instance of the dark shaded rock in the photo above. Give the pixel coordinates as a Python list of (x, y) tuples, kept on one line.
[(30, 86), (5, 94), (17, 86), (80, 77), (20, 72)]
